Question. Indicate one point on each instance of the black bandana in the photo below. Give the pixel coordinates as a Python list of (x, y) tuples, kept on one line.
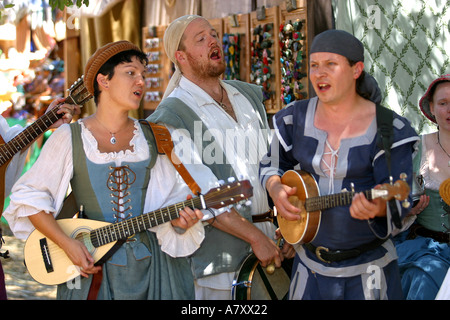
[(345, 44)]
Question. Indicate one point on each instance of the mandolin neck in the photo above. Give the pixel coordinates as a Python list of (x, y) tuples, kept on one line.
[(31, 132), (28, 135), (123, 230)]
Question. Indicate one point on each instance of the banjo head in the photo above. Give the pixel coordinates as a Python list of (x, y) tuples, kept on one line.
[(305, 229)]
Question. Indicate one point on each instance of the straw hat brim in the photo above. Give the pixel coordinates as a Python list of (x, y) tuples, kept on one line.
[(424, 102), (98, 59)]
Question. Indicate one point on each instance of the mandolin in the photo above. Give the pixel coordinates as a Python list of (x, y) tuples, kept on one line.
[(78, 95), (309, 200), (48, 264)]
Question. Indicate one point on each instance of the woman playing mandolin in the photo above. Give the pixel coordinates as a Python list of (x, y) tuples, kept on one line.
[(116, 174), (333, 137)]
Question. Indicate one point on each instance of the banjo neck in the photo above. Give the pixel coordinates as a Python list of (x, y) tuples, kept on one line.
[(340, 199)]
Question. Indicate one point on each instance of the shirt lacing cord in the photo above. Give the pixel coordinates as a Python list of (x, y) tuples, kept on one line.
[(330, 168), (119, 181)]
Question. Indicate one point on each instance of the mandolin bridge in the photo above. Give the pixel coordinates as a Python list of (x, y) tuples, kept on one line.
[(46, 255)]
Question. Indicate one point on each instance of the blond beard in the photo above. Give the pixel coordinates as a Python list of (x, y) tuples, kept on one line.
[(206, 70)]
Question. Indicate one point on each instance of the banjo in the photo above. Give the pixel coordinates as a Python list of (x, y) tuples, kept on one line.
[(309, 200)]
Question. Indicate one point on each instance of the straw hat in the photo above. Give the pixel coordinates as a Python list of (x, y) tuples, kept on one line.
[(98, 59), (424, 102)]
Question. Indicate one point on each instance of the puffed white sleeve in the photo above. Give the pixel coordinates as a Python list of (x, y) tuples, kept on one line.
[(44, 186), (166, 188)]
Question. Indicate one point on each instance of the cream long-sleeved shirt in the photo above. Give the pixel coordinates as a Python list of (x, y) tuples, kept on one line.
[(244, 143)]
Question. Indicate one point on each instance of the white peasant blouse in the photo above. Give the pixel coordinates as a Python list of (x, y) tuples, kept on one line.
[(44, 186)]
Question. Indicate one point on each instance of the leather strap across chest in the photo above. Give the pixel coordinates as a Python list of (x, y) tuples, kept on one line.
[(164, 145)]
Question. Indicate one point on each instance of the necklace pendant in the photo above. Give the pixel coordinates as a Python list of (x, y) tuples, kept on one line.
[(113, 140)]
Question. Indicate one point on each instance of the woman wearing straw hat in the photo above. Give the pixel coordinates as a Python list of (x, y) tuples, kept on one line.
[(116, 174), (423, 250)]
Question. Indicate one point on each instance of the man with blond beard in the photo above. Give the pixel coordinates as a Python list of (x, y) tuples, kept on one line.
[(220, 121)]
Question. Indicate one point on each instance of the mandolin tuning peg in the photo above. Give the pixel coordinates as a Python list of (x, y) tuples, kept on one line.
[(231, 179), (221, 182), (403, 176), (248, 203), (238, 206), (405, 204)]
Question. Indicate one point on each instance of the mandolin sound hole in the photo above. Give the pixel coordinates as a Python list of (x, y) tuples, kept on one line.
[(295, 201), (85, 238)]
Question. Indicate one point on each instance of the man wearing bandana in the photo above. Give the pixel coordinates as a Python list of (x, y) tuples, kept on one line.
[(334, 138), (222, 124)]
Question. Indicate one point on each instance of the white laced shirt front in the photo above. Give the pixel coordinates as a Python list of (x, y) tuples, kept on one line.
[(244, 144), (44, 186)]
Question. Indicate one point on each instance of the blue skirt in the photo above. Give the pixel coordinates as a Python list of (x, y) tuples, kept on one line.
[(423, 264)]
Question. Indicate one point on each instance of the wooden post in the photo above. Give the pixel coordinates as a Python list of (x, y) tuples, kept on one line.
[(72, 56)]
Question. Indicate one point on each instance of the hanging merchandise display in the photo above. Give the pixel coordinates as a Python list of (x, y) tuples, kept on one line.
[(266, 47), (159, 67), (262, 58), (292, 57), (236, 47), (231, 49)]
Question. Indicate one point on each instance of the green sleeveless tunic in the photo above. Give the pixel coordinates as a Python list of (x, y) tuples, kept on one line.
[(138, 270), (221, 251)]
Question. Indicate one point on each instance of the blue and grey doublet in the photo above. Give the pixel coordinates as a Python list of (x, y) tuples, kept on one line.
[(298, 144)]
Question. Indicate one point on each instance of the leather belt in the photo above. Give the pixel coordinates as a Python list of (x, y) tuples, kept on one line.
[(326, 255), (266, 216), (419, 230)]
